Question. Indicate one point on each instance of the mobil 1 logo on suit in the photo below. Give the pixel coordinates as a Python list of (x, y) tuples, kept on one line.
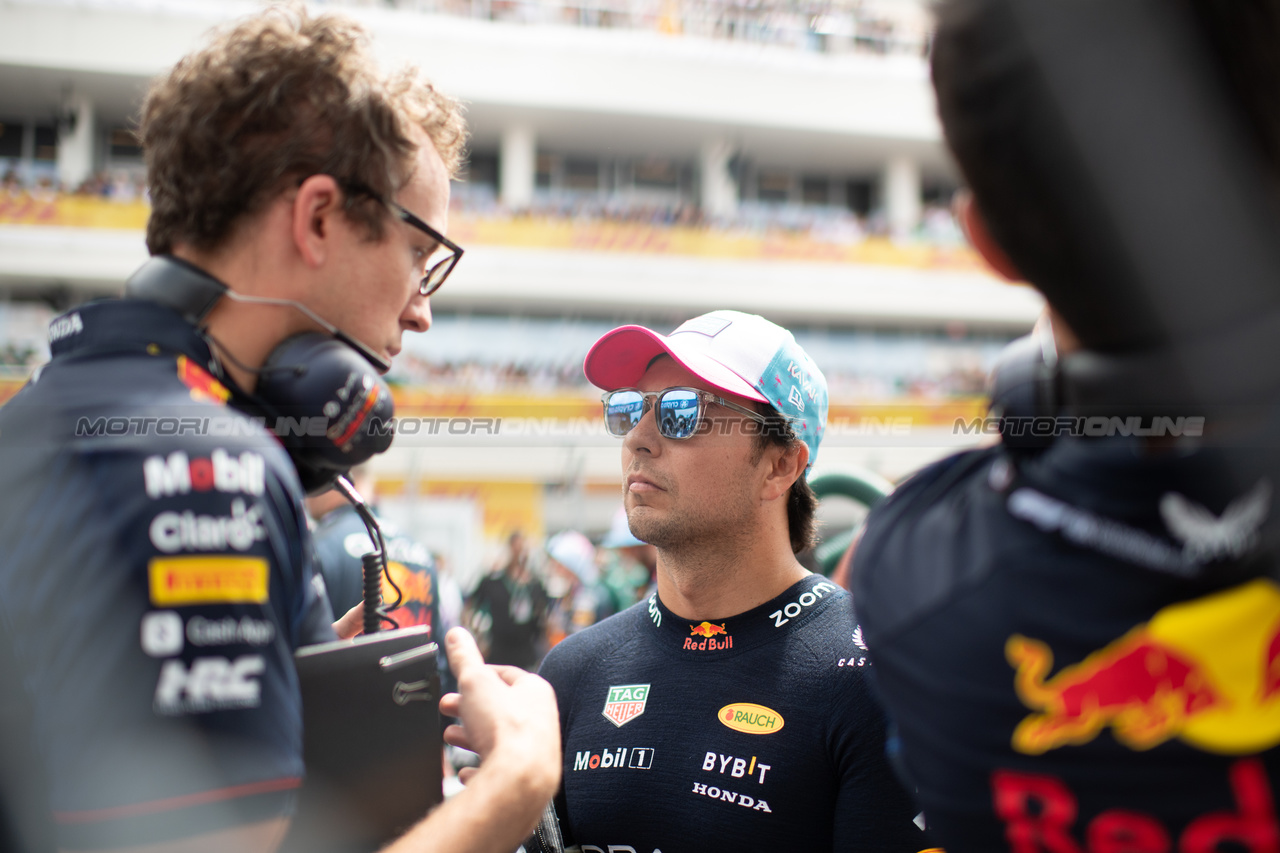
[(622, 757)]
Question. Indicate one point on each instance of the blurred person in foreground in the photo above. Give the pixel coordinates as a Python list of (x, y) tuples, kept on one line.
[(155, 583), (728, 711), (1077, 643), (508, 610)]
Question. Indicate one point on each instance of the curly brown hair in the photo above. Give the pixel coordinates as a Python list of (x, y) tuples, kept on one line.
[(270, 101)]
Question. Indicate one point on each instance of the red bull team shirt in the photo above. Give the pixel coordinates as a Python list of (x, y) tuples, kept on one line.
[(752, 732), (154, 581), (1080, 650)]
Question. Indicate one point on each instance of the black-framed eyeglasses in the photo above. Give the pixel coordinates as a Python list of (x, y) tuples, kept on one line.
[(438, 271), (680, 411)]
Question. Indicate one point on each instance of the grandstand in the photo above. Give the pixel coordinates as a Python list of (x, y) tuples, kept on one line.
[(632, 161)]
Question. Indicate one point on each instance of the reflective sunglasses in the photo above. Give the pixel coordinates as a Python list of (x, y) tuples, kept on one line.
[(680, 411)]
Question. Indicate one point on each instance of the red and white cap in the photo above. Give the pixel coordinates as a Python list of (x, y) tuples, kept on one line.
[(743, 354)]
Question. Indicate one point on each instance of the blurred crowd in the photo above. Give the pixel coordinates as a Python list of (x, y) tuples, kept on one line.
[(879, 27), (824, 223), (831, 224), (537, 596), (122, 185), (565, 377)]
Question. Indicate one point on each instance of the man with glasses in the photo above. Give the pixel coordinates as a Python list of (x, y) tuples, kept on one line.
[(731, 710), (155, 580)]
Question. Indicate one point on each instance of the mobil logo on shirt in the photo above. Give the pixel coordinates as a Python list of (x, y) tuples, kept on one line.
[(621, 757), (179, 474)]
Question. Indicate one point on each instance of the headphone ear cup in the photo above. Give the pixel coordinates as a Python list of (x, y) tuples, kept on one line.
[(332, 410), (1023, 390)]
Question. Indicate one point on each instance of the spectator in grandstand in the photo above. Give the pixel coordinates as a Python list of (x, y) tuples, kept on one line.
[(1076, 642), (155, 584), (727, 710), (508, 610)]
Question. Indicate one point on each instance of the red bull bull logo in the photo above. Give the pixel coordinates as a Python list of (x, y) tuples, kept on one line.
[(1206, 671), (202, 384), (416, 595), (708, 632)]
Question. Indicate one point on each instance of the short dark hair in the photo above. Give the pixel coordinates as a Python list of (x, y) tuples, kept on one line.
[(986, 86), (802, 503)]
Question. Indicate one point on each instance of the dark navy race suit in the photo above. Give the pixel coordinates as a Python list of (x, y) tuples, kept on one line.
[(756, 732), (1079, 650), (153, 584)]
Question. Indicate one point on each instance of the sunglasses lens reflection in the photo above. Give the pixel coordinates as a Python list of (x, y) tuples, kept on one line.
[(677, 413), (622, 411)]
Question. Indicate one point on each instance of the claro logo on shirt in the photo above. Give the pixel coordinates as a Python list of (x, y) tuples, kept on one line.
[(172, 532), (210, 684), (222, 579), (750, 718)]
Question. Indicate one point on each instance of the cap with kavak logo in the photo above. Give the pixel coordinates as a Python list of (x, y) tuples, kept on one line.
[(743, 354)]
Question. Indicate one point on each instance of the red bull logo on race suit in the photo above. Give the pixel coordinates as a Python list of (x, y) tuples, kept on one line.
[(708, 632), (1205, 671)]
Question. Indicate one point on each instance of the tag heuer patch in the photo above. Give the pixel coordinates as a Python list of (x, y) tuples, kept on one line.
[(625, 703)]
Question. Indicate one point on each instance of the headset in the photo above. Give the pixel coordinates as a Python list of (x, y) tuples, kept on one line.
[(1024, 389), (320, 390)]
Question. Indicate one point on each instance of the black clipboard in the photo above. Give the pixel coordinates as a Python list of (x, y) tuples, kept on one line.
[(371, 740)]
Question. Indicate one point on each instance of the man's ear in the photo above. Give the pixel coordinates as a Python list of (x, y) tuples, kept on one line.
[(786, 465), (975, 228), (318, 201)]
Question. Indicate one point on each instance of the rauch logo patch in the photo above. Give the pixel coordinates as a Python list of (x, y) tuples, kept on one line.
[(751, 719), (625, 702)]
